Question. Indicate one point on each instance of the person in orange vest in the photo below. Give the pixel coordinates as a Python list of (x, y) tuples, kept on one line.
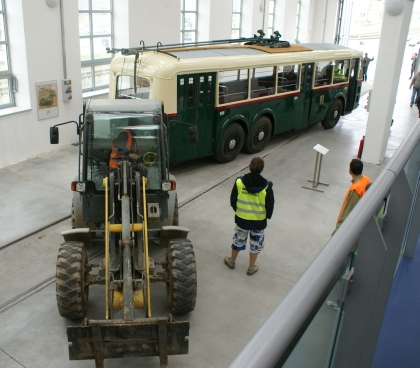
[(124, 145), (358, 188)]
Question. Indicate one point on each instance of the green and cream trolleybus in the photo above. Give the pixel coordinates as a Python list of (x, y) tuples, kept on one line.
[(237, 96)]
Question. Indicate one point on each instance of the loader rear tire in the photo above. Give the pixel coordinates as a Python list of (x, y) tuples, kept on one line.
[(182, 276), (72, 290)]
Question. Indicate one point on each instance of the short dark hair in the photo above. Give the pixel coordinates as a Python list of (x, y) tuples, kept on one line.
[(356, 166), (257, 165)]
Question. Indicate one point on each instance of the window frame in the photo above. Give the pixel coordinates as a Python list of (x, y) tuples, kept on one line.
[(326, 74), (225, 98), (183, 30), (271, 26), (92, 63), (240, 19), (7, 74), (299, 6)]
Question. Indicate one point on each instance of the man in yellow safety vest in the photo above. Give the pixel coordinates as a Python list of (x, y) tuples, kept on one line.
[(252, 199), (355, 192)]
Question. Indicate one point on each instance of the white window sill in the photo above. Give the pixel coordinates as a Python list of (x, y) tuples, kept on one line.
[(99, 92), (13, 110)]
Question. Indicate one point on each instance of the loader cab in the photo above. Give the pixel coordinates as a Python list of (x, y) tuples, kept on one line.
[(111, 138), (112, 131)]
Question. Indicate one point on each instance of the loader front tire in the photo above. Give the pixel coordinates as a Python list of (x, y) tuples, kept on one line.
[(72, 290), (181, 286)]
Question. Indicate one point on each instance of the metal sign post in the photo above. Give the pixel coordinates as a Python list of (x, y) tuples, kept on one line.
[(320, 151)]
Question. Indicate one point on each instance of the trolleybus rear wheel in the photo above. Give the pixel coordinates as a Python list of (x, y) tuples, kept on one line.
[(258, 137)]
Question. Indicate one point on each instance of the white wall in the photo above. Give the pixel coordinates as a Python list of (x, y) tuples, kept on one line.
[(154, 21), (36, 56), (36, 52)]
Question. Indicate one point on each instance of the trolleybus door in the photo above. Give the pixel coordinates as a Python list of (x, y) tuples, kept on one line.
[(355, 87), (305, 95), (195, 106)]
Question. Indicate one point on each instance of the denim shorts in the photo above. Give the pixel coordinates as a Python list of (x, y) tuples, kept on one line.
[(256, 240)]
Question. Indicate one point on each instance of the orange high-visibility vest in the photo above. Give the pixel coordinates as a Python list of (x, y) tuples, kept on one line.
[(360, 188), (130, 145)]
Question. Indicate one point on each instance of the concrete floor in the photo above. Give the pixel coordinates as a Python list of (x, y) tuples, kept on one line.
[(230, 305)]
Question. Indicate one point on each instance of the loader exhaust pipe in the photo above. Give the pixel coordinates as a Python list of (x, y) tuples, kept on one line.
[(128, 301)]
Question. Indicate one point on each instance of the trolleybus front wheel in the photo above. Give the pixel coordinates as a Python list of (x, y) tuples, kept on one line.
[(259, 135), (333, 115), (231, 143)]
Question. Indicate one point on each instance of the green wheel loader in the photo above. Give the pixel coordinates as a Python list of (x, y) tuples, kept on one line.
[(123, 198)]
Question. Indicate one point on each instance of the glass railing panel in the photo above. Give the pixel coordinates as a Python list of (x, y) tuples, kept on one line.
[(411, 168), (316, 346)]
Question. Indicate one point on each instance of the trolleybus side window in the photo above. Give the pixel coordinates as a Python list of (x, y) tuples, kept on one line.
[(233, 85), (263, 82), (288, 78), (190, 92), (341, 71), (324, 73), (125, 87), (181, 94), (205, 97)]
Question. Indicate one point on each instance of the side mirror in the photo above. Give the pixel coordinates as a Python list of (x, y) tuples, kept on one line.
[(193, 134), (54, 135)]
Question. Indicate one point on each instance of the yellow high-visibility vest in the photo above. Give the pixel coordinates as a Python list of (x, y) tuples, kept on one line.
[(250, 206)]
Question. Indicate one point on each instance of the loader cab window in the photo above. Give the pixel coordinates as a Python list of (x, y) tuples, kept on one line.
[(125, 87), (111, 132)]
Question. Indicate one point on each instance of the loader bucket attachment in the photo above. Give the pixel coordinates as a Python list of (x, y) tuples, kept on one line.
[(109, 339)]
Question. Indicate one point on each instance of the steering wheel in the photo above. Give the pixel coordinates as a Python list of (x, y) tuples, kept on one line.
[(150, 158)]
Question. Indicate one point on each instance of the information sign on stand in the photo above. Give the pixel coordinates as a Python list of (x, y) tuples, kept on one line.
[(320, 151)]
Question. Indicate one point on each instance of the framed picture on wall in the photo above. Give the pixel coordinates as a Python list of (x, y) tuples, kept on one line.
[(47, 99)]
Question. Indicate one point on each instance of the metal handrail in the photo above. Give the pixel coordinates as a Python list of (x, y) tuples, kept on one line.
[(273, 338)]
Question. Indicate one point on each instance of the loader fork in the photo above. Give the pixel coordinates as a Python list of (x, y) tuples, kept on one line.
[(129, 337)]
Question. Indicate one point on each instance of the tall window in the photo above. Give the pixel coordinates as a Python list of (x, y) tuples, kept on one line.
[(236, 18), (188, 21), (6, 78), (270, 28), (297, 21), (96, 34)]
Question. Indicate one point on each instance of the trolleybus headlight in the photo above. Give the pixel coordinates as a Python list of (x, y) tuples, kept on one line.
[(78, 186)]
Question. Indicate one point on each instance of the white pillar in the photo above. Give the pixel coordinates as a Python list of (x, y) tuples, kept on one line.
[(389, 61)]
